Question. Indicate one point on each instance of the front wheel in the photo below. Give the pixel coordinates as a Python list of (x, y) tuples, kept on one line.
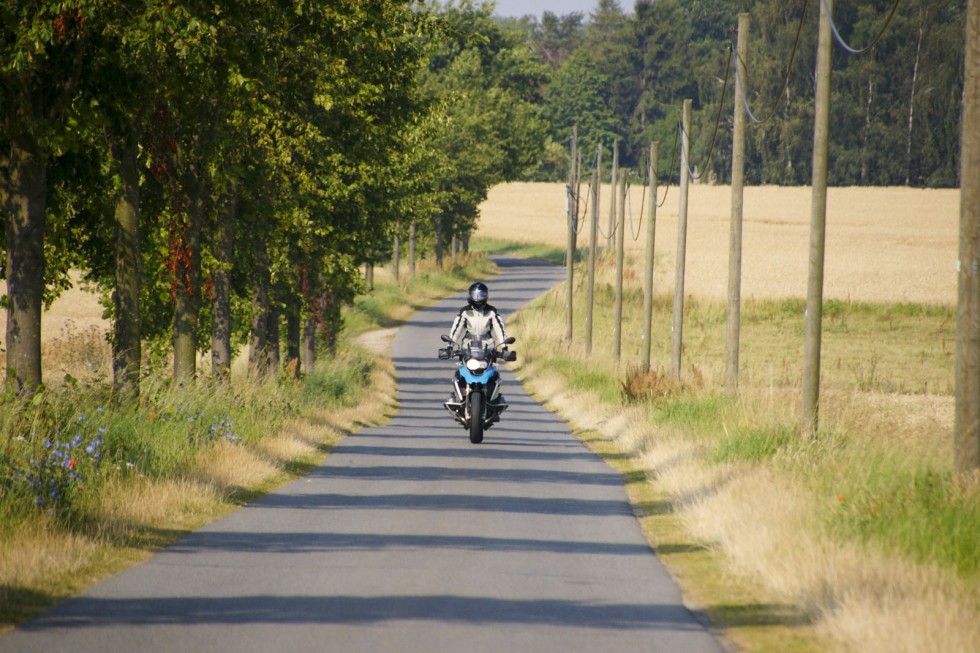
[(476, 417)]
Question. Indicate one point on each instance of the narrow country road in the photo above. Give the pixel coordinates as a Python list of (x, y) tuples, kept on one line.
[(408, 538)]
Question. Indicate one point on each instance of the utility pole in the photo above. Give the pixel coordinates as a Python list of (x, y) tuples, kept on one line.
[(612, 196), (809, 422), (620, 245), (593, 245), (733, 315), (678, 335), (572, 201), (967, 415), (648, 270)]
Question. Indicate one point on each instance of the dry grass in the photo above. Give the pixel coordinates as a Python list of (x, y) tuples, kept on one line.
[(883, 244), (42, 561), (800, 587)]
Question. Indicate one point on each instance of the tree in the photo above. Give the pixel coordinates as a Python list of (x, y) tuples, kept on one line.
[(42, 49)]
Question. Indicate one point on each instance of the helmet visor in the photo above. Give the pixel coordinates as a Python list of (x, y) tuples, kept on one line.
[(478, 295)]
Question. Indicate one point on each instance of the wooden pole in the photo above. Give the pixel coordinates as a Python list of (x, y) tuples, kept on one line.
[(593, 246), (733, 315), (571, 201), (648, 270), (678, 335), (620, 246), (809, 419), (613, 176), (967, 415)]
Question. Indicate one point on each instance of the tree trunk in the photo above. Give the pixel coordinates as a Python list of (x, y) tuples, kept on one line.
[(272, 349), (908, 135), (308, 353), (293, 335), (224, 252), (396, 254), (126, 328), (329, 324), (369, 275), (412, 243), (439, 243), (24, 195), (258, 355), (186, 248), (867, 132)]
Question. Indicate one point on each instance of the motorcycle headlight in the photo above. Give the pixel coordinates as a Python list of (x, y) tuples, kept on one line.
[(473, 365)]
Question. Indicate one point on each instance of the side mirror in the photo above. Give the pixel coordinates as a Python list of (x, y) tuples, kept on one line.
[(445, 354), (511, 340), (510, 356), (446, 339)]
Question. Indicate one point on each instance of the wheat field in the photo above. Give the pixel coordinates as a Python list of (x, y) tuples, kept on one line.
[(882, 244)]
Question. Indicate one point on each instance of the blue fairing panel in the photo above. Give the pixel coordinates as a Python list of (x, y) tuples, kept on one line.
[(471, 378)]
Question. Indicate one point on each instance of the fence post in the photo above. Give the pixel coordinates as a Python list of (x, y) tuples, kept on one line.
[(809, 419), (734, 313), (572, 202), (648, 270), (967, 421), (620, 245), (593, 234), (678, 330), (613, 175)]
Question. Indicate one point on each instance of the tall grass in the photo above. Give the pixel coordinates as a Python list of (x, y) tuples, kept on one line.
[(89, 484), (864, 517)]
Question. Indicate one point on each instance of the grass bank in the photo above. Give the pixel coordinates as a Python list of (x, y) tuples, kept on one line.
[(89, 486), (856, 540)]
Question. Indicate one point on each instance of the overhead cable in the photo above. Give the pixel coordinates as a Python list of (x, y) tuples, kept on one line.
[(840, 39)]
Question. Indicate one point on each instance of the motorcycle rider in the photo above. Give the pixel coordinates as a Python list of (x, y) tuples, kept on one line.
[(478, 319)]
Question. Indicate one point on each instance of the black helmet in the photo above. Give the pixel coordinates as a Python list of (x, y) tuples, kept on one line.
[(478, 294)]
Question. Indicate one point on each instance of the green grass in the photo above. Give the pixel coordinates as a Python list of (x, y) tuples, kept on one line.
[(60, 449), (906, 504), (525, 250), (754, 444), (921, 513)]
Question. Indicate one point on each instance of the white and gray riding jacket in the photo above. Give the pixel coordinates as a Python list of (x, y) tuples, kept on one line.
[(474, 322)]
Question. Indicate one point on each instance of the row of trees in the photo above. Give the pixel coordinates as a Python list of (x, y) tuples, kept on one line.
[(895, 110), (222, 169)]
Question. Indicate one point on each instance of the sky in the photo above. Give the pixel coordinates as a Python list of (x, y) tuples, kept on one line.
[(518, 8)]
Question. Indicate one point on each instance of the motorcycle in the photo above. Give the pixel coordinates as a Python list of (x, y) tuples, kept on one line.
[(476, 402)]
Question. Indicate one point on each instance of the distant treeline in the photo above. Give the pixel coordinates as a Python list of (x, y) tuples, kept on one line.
[(895, 108)]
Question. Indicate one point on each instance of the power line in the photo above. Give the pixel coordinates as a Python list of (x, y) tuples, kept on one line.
[(789, 71), (673, 160), (721, 105), (840, 39)]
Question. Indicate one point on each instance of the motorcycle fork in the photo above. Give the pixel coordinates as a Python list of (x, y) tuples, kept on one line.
[(470, 389)]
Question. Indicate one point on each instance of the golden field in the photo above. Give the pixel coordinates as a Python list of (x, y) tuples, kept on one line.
[(883, 244)]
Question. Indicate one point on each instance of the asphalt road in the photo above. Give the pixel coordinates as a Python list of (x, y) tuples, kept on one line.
[(408, 538)]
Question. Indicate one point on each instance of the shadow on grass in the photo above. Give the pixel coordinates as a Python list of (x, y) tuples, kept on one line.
[(20, 604), (759, 614), (678, 548)]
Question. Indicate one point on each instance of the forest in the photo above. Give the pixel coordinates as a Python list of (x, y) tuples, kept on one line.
[(222, 171), (622, 75)]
